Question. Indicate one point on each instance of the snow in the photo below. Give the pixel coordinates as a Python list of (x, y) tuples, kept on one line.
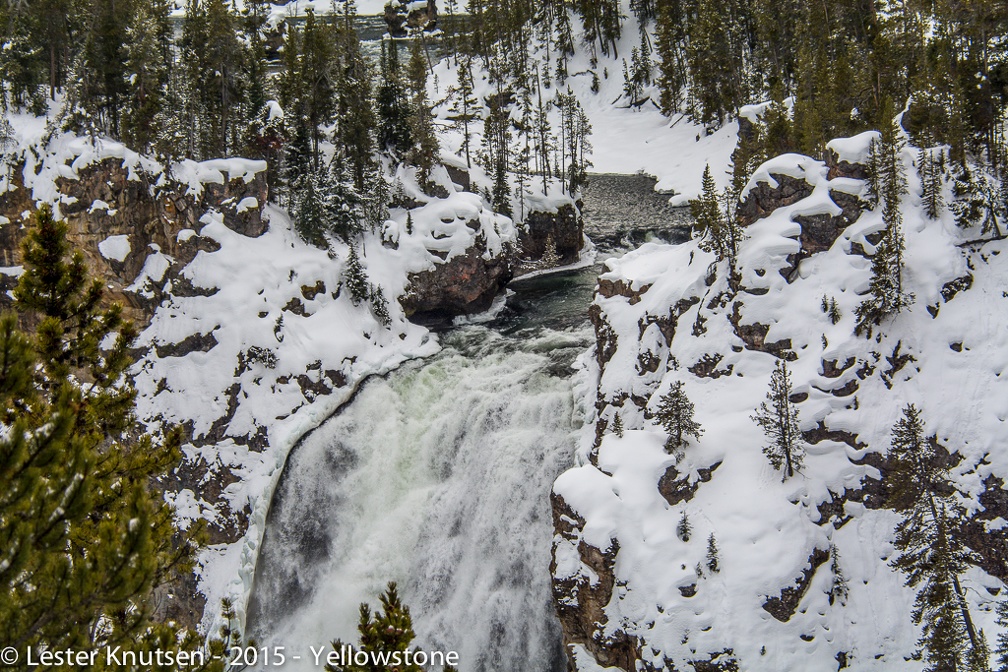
[(854, 149), (766, 529), (247, 203), (115, 248)]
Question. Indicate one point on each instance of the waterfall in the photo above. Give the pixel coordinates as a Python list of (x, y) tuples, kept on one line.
[(438, 477)]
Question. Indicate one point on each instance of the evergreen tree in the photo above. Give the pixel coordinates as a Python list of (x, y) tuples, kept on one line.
[(424, 151), (254, 22), (838, 589), (779, 421), (675, 414), (683, 528), (931, 184), (104, 65), (86, 541), (148, 63), (550, 258), (1002, 640), (713, 563), (393, 110), (920, 489), (886, 295), (355, 106), (389, 631), (354, 277), (719, 234), (325, 203), (617, 426), (465, 105)]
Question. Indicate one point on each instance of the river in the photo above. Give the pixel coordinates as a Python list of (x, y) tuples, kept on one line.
[(438, 475)]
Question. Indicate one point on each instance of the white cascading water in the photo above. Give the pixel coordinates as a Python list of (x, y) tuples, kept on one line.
[(437, 477)]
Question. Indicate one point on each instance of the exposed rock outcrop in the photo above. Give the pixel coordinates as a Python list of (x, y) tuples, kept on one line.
[(402, 18), (564, 229), (462, 285)]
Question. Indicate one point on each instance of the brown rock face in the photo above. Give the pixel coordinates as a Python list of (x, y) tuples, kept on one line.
[(147, 214), (764, 199), (463, 285), (564, 226), (581, 603)]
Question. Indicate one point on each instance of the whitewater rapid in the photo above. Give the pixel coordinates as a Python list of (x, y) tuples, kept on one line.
[(437, 477)]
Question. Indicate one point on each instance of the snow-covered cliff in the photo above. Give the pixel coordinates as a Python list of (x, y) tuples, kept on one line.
[(631, 592)]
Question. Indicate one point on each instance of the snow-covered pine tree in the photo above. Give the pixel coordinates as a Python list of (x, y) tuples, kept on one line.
[(465, 104), (147, 71), (838, 589), (886, 296), (424, 150), (341, 202), (932, 184), (354, 106), (719, 234), (683, 528), (919, 487), (675, 415), (550, 258), (354, 277), (779, 421), (389, 630), (393, 108), (713, 562), (1002, 640)]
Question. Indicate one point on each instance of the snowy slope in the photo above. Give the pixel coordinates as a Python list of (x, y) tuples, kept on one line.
[(770, 533)]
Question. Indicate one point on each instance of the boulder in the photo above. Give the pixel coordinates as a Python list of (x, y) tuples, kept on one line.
[(462, 285)]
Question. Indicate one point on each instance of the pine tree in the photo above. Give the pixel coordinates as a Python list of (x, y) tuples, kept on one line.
[(617, 426), (388, 631), (886, 295), (465, 105), (550, 258), (719, 233), (148, 54), (932, 184), (779, 421), (838, 589), (104, 61), (713, 563), (354, 132), (354, 277), (683, 528), (920, 489), (393, 110), (424, 151), (675, 414), (85, 539), (1002, 640)]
